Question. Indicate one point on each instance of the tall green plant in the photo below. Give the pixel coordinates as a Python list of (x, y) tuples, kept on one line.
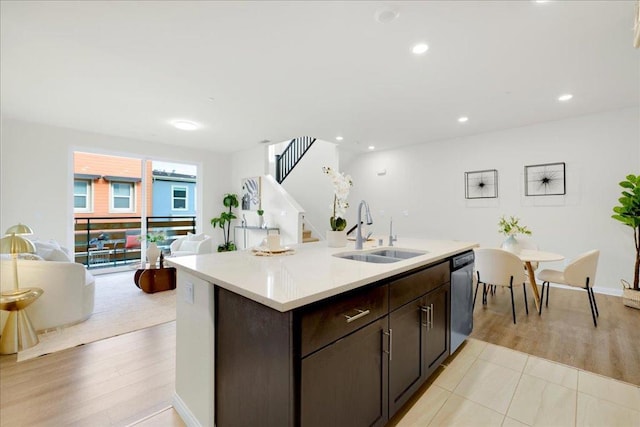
[(224, 221), (628, 213)]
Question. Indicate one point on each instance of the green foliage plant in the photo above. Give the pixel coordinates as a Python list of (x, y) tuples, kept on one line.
[(628, 213), (230, 201), (511, 226)]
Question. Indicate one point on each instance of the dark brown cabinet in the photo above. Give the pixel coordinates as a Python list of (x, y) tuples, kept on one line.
[(350, 360), (436, 326), (419, 330), (345, 383)]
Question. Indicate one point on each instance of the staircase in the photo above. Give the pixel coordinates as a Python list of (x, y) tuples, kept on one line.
[(306, 236), (291, 155)]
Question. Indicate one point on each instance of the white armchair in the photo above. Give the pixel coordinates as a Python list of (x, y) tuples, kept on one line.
[(192, 244)]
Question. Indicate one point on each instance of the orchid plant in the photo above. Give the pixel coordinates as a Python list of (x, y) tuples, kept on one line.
[(341, 186)]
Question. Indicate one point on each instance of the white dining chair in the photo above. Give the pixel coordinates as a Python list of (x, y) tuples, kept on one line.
[(497, 267), (580, 273)]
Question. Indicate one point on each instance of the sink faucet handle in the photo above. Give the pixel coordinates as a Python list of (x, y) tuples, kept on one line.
[(392, 238)]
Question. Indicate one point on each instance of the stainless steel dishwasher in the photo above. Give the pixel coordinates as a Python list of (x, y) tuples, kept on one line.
[(461, 298)]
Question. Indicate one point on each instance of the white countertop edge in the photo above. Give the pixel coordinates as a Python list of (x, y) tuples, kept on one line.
[(393, 270)]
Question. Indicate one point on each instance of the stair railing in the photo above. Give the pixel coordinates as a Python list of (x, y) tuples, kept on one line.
[(291, 155)]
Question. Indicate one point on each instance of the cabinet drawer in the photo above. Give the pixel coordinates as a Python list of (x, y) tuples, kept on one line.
[(330, 320), (410, 287)]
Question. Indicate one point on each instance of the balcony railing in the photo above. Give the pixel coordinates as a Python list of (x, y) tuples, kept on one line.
[(114, 249)]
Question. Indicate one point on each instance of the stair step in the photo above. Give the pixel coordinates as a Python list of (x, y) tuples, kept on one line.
[(306, 234), (310, 239)]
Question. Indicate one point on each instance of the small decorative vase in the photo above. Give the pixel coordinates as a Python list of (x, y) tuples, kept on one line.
[(511, 245), (153, 252), (260, 221), (336, 239)]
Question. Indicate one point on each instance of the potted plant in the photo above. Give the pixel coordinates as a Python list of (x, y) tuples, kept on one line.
[(260, 218), (230, 201), (153, 251), (511, 227), (336, 237), (628, 213)]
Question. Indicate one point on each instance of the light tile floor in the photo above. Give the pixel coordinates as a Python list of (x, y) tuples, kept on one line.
[(489, 385)]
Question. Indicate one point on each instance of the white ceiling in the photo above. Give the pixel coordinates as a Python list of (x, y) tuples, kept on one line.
[(250, 71)]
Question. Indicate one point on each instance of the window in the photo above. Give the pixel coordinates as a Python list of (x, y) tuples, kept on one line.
[(81, 195), (178, 198), (122, 197)]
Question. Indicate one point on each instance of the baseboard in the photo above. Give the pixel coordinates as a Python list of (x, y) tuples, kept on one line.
[(184, 412)]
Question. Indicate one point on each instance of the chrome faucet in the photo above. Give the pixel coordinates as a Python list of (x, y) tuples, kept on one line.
[(392, 238), (368, 218)]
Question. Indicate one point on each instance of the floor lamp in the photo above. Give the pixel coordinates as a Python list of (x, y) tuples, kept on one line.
[(18, 333)]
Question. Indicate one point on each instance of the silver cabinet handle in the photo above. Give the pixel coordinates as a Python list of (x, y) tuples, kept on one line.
[(424, 309), (361, 313), (390, 352), (431, 317)]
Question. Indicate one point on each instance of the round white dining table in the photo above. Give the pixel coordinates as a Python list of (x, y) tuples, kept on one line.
[(531, 255)]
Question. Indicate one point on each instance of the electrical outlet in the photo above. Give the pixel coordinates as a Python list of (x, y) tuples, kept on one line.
[(188, 292)]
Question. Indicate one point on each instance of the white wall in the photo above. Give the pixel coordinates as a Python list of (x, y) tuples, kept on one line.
[(37, 174), (426, 182)]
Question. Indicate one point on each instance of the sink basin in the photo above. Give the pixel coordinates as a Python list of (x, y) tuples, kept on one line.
[(382, 256), (376, 259), (398, 253)]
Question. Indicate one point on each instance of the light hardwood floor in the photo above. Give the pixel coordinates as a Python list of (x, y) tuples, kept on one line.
[(130, 378)]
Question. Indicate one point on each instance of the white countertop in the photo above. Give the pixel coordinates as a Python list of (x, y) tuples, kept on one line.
[(310, 274)]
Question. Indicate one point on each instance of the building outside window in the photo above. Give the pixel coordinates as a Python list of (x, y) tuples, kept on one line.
[(122, 197), (179, 198), (82, 195)]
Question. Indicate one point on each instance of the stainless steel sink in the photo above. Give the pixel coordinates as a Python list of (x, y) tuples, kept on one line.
[(382, 256), (398, 253), (376, 259)]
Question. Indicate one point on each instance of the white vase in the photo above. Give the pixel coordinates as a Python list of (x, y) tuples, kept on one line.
[(153, 252), (336, 239), (511, 244)]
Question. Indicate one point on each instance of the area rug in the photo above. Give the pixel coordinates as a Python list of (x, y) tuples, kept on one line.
[(120, 307)]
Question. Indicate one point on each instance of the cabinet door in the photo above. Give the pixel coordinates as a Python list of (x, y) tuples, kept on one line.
[(437, 327), (406, 367), (345, 383)]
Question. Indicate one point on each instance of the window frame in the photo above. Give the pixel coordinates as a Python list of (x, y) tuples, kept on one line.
[(88, 208), (174, 198), (112, 197)]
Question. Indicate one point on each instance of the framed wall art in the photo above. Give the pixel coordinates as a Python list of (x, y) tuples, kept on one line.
[(545, 180), (250, 194), (481, 184)]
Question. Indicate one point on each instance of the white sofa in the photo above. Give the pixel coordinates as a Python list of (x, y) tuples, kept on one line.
[(192, 244), (69, 291)]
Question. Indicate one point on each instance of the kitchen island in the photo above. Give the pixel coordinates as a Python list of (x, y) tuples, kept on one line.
[(308, 338)]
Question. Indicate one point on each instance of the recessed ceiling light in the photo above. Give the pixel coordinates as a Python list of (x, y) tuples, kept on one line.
[(184, 125), (371, 147), (420, 48), (565, 97), (339, 138), (463, 119)]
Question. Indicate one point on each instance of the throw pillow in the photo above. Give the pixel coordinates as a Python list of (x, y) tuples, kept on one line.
[(189, 246), (195, 237), (132, 242), (58, 255)]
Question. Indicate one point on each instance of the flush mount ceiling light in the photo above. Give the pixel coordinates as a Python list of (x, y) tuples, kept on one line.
[(565, 97), (184, 125), (371, 147), (463, 119), (420, 48), (339, 138), (384, 16)]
